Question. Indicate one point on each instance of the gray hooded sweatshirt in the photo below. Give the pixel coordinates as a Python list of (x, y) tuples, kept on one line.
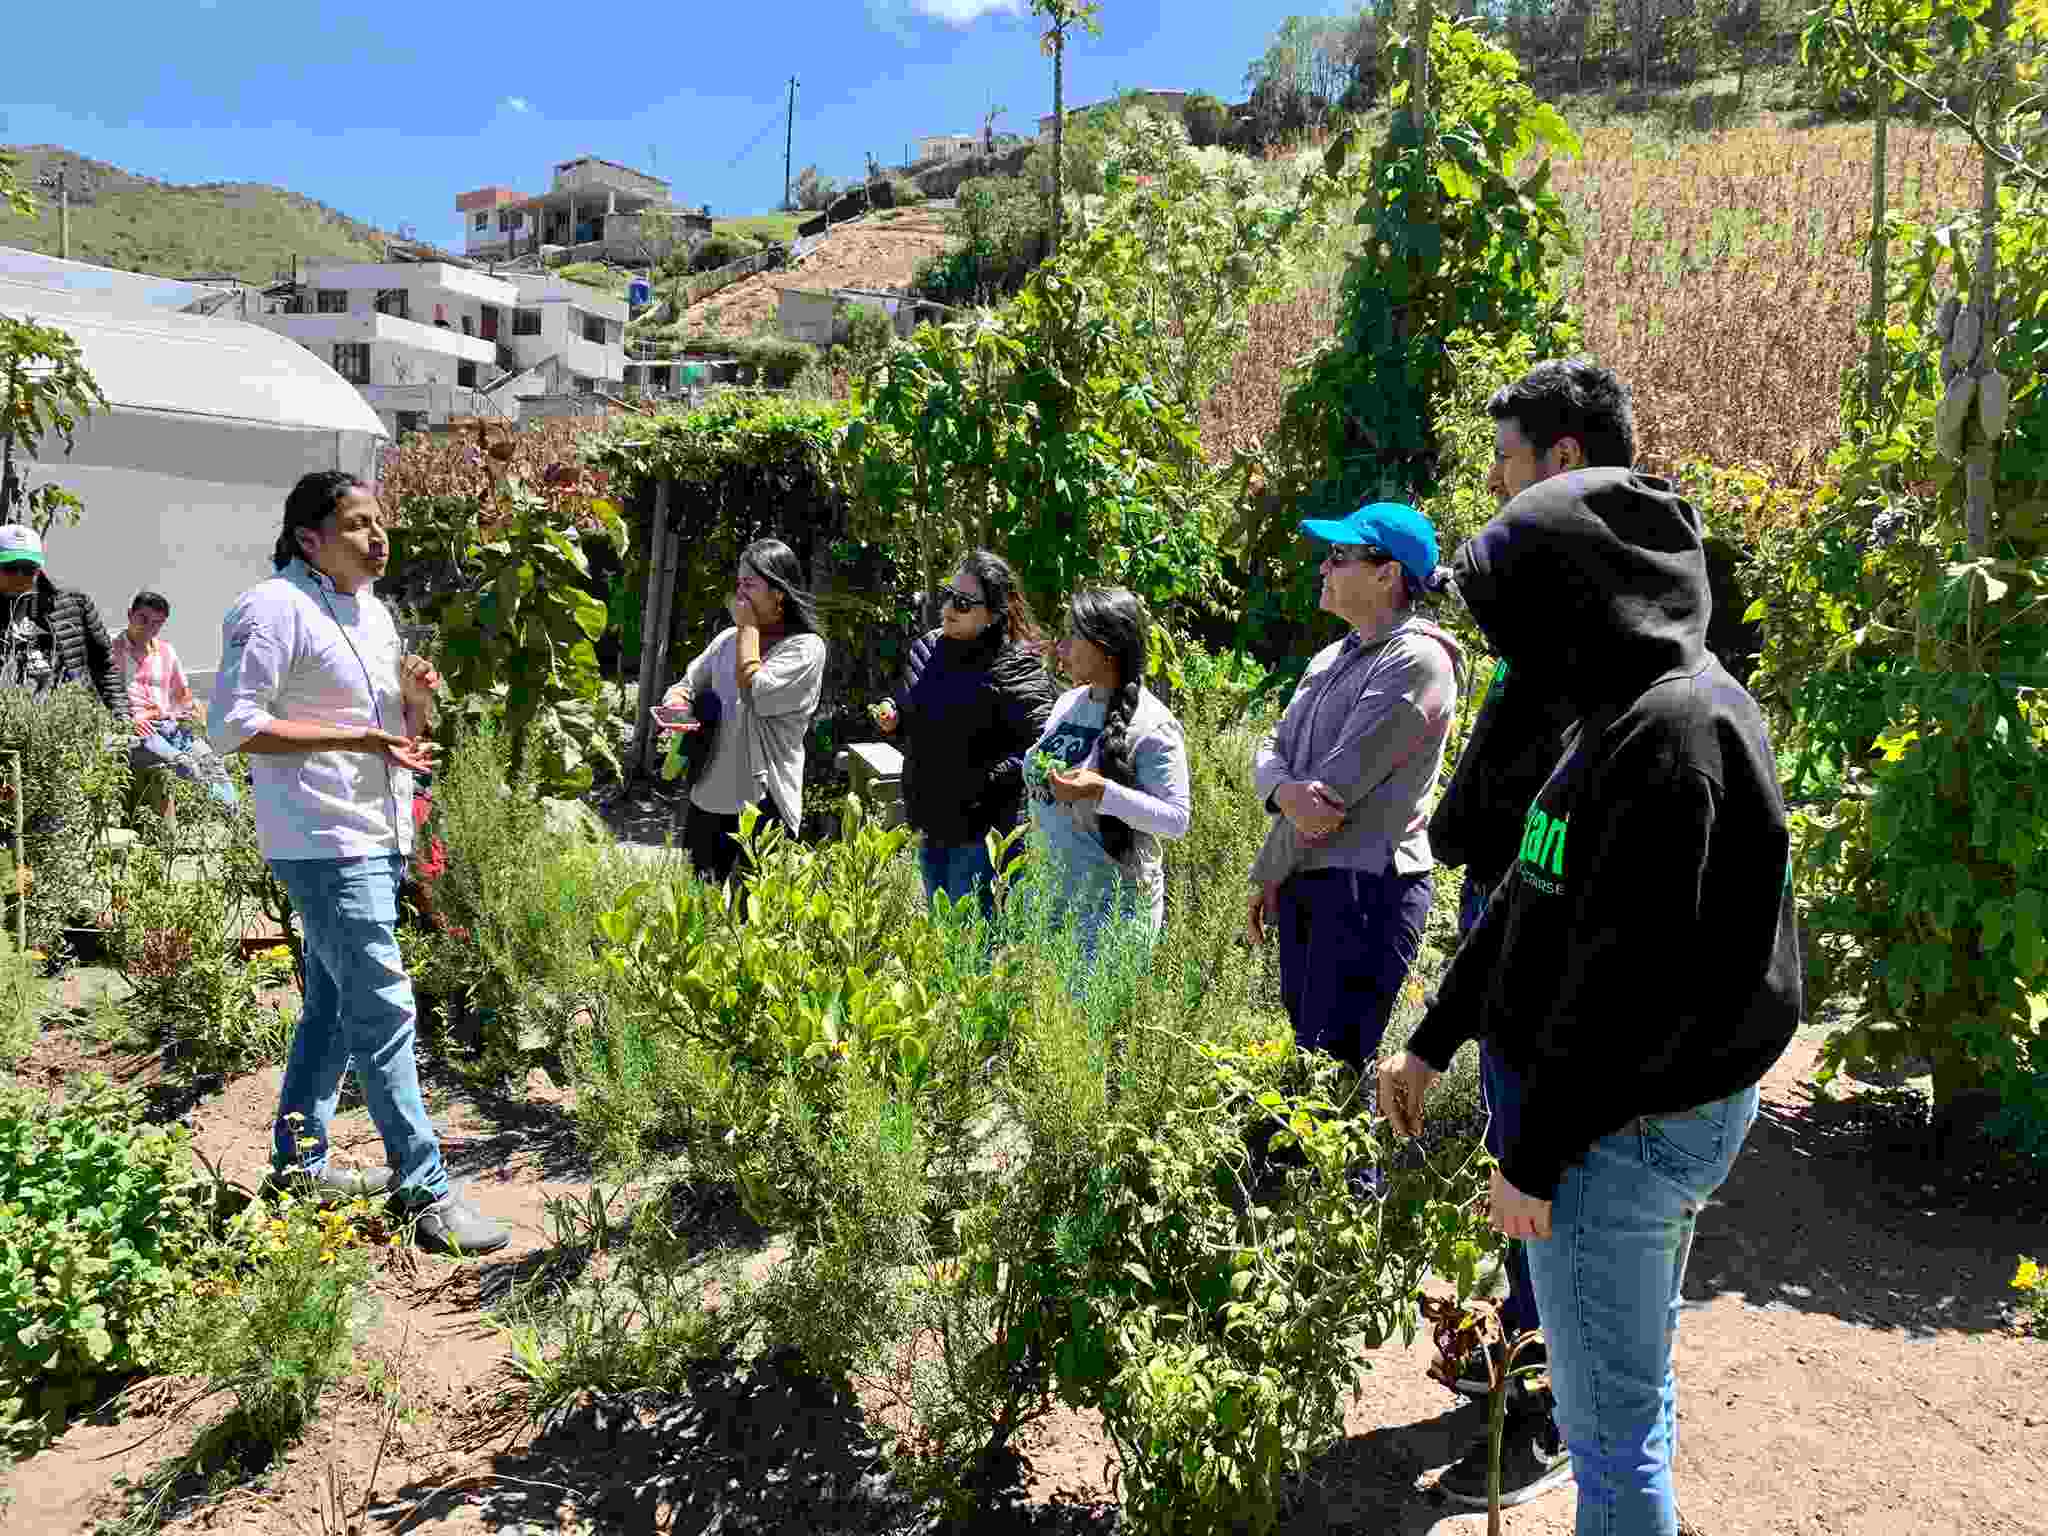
[(1369, 719)]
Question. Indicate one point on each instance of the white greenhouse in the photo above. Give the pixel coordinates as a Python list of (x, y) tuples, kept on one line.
[(209, 423)]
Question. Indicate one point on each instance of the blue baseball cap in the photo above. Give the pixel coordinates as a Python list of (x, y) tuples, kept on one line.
[(1394, 526)]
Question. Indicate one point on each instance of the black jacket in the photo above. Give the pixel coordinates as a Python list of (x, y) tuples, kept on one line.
[(81, 649), (1515, 742), (966, 715), (1655, 967)]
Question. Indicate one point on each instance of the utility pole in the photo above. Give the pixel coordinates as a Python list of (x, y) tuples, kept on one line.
[(788, 141), (60, 179)]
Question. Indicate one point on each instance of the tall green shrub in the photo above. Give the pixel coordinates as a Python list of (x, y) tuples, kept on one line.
[(74, 775)]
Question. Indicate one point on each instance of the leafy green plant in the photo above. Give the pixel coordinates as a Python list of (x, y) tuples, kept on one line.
[(506, 931), (527, 622), (99, 1212), (45, 389), (1451, 241), (74, 774), (21, 998)]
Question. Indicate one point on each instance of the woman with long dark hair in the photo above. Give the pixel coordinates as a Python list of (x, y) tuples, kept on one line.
[(973, 700), (765, 672), (1121, 780)]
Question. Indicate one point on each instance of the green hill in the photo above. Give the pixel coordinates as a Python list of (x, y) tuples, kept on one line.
[(218, 228)]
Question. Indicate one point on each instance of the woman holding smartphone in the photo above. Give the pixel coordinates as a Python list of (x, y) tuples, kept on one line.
[(973, 700), (766, 670), (1118, 780)]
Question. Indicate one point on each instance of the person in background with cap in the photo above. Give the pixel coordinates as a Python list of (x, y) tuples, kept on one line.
[(1345, 871), (50, 635)]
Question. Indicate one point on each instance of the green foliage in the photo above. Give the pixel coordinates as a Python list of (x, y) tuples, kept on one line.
[(1907, 672), (1238, 1316), (21, 996), (73, 783), (18, 198), (1452, 242), (271, 1309), (720, 250), (1207, 119), (528, 623), (99, 1210), (508, 927), (999, 232), (869, 333), (45, 389)]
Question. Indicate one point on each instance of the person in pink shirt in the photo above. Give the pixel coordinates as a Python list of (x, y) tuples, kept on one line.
[(161, 705)]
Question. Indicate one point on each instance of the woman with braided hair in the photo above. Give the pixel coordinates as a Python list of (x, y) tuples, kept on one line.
[(1121, 780)]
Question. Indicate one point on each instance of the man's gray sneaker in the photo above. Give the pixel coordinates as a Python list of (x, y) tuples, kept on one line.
[(453, 1226), (331, 1183), (1533, 1461)]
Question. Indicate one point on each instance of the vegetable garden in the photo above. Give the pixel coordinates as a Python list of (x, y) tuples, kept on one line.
[(952, 1182)]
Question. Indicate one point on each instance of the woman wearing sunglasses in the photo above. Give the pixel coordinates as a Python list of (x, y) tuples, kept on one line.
[(1122, 780), (974, 698)]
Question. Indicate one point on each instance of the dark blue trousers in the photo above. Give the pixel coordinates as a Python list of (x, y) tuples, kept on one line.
[(1503, 1093), (1347, 940)]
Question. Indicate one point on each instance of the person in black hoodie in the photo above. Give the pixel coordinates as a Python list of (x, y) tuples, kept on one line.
[(50, 635), (974, 699), (1562, 415), (1635, 984)]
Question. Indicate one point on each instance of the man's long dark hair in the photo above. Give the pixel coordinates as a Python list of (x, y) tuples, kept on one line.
[(311, 502), (775, 563), (1010, 619), (1114, 620)]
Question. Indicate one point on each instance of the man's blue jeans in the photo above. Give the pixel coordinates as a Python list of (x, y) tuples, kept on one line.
[(171, 744), (358, 1004), (1501, 1088), (1608, 1281), (956, 869)]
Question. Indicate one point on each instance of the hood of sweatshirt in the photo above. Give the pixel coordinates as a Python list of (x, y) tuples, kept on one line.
[(1592, 585)]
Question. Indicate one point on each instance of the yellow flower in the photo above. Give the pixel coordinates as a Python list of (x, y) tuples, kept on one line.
[(2027, 1276)]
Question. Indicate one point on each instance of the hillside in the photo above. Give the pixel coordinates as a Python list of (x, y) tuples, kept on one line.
[(138, 224), (883, 250)]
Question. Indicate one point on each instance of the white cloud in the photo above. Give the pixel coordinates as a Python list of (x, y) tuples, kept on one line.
[(893, 15), (517, 104), (964, 13)]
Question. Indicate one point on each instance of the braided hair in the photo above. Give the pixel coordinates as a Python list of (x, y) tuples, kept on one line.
[(311, 502), (1114, 621)]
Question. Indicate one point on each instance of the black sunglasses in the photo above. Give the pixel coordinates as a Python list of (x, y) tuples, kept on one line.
[(961, 602), (1352, 554)]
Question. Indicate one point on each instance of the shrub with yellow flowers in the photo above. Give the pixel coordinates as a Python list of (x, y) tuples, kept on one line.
[(2031, 1281), (278, 1304)]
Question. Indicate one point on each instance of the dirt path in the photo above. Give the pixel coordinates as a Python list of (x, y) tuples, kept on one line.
[(876, 252), (1845, 1362)]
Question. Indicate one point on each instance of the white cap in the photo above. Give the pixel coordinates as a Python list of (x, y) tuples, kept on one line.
[(20, 545)]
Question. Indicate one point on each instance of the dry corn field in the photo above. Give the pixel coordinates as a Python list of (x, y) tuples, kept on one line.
[(1722, 279)]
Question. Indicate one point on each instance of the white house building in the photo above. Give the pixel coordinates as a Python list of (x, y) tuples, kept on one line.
[(948, 146), (431, 340), (209, 422)]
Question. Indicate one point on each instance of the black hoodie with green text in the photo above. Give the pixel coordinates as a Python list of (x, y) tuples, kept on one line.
[(1641, 955)]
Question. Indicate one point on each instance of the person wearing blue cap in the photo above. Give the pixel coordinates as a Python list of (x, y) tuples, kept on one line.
[(1344, 874)]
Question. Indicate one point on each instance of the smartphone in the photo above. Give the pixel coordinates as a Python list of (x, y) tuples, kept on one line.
[(672, 716)]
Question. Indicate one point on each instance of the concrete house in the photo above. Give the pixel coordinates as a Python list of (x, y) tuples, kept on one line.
[(594, 210), (948, 146), (571, 337), (423, 341)]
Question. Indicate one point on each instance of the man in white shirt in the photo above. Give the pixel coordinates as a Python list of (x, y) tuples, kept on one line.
[(313, 689)]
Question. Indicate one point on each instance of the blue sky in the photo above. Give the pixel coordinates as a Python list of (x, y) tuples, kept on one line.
[(387, 119)]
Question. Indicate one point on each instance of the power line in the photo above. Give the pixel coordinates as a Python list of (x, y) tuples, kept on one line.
[(755, 142)]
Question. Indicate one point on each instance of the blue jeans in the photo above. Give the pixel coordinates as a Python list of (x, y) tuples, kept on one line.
[(1608, 1281), (171, 744), (1347, 939), (358, 1004), (956, 869), (1501, 1088)]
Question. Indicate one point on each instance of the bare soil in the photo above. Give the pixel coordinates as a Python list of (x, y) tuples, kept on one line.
[(878, 251), (1848, 1363)]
